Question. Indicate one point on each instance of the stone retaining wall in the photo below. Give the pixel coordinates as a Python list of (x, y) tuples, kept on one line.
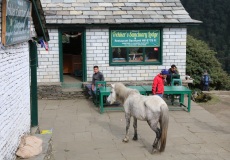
[(55, 91)]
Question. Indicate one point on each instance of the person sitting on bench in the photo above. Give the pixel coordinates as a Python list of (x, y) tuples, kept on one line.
[(173, 73), (97, 76)]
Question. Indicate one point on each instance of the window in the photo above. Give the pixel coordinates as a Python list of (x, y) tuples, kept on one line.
[(129, 47)]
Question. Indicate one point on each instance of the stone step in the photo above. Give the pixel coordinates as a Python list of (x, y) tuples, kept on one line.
[(61, 91), (72, 89), (72, 85), (72, 93)]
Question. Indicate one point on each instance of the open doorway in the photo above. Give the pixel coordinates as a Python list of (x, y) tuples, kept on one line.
[(72, 56)]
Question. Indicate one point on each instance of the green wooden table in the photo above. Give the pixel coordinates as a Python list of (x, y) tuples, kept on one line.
[(175, 90), (105, 91), (148, 89), (139, 88)]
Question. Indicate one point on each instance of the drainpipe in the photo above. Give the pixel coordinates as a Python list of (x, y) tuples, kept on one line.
[(33, 86)]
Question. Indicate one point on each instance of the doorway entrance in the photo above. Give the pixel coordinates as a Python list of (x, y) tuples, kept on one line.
[(71, 56)]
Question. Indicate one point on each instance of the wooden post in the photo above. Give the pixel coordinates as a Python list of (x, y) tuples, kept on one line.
[(3, 22), (34, 95)]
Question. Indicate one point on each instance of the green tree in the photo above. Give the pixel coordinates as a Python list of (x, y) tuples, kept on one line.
[(199, 58), (214, 30)]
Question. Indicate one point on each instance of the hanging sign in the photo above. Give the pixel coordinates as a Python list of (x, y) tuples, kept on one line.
[(135, 38), (16, 21)]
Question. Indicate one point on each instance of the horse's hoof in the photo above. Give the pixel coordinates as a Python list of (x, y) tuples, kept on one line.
[(125, 140), (154, 150), (135, 138)]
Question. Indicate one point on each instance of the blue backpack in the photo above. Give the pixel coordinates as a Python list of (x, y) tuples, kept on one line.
[(206, 79)]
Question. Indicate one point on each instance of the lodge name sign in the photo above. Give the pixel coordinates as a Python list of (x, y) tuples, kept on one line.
[(16, 25), (135, 38)]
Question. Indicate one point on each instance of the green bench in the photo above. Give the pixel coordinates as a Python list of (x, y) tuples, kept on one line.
[(175, 90), (105, 91), (146, 90)]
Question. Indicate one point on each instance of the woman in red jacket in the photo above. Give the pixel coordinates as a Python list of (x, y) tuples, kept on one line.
[(158, 83)]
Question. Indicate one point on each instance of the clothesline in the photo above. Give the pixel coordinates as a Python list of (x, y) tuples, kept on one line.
[(65, 37)]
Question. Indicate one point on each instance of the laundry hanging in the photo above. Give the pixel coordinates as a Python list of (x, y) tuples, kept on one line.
[(44, 44)]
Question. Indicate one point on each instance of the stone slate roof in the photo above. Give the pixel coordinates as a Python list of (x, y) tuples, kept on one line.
[(116, 12)]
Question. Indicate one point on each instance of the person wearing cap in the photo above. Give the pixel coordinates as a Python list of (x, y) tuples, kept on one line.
[(158, 83)]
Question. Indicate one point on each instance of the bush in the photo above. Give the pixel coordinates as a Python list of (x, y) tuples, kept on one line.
[(203, 97), (200, 58)]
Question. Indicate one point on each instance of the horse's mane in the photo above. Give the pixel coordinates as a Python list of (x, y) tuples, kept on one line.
[(123, 92)]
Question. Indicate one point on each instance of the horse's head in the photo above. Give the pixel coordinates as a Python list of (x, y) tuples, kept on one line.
[(112, 97)]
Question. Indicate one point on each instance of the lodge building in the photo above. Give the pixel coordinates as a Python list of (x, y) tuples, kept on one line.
[(130, 40)]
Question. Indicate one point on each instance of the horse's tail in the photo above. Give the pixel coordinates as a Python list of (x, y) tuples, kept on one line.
[(164, 120)]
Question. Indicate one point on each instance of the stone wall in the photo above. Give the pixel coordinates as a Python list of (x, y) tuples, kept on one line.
[(55, 91)]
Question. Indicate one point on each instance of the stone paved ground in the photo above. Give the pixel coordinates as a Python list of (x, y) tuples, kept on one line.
[(220, 106), (80, 132)]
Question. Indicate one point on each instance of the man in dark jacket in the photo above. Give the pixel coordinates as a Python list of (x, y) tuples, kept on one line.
[(172, 71), (158, 83), (97, 76)]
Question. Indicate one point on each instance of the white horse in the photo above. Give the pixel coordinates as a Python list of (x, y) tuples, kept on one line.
[(152, 109)]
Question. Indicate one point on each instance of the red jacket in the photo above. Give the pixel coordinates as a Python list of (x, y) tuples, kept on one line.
[(158, 85)]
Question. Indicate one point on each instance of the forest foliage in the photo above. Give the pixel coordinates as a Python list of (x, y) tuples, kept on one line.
[(200, 58), (215, 15)]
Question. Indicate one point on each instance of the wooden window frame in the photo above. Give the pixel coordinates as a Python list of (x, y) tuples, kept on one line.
[(158, 62)]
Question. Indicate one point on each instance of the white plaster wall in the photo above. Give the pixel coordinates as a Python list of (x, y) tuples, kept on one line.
[(174, 48), (48, 61), (14, 98), (97, 53)]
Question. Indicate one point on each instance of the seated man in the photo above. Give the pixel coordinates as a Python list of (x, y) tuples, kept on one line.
[(97, 76), (172, 71)]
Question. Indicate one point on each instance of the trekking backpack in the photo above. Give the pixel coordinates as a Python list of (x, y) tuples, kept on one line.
[(206, 79)]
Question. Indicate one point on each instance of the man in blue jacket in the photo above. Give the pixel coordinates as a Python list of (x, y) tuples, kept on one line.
[(205, 81)]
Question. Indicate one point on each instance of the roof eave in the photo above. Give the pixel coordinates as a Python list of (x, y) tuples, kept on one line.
[(39, 20), (50, 25)]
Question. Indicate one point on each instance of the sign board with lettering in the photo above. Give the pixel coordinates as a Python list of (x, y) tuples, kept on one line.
[(135, 38), (16, 21)]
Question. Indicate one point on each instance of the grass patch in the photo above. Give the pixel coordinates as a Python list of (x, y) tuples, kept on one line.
[(214, 100)]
